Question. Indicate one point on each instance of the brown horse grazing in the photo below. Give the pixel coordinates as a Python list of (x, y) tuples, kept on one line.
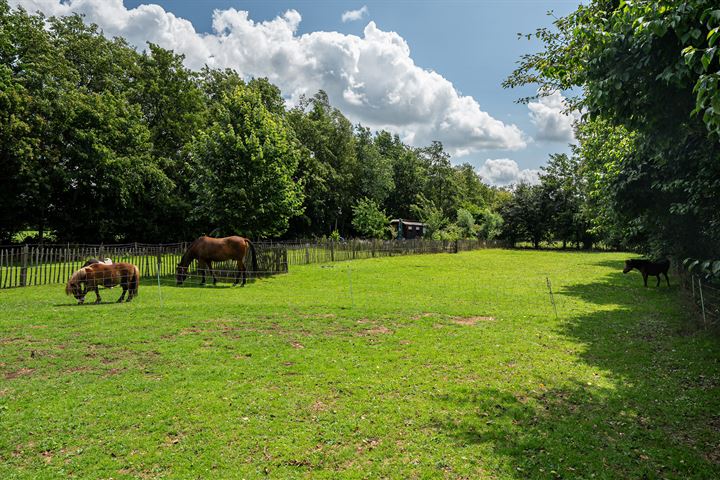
[(646, 267), (207, 250), (98, 274)]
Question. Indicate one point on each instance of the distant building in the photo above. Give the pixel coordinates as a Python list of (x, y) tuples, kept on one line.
[(408, 229)]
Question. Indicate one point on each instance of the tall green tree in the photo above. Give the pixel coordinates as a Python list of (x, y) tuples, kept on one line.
[(409, 174), (373, 176), (441, 187), (246, 163), (565, 188), (327, 163), (527, 216)]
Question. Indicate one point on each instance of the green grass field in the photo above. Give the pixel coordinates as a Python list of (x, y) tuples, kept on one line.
[(433, 366)]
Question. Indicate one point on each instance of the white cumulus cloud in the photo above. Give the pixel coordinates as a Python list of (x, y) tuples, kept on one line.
[(371, 78), (504, 171), (354, 15), (553, 123)]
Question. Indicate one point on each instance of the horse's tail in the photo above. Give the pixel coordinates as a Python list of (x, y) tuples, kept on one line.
[(254, 256), (134, 282), (76, 278)]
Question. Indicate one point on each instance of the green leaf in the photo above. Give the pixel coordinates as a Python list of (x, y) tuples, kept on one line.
[(716, 267)]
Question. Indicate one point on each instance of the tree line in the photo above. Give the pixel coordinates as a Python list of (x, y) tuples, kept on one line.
[(648, 153), (102, 143)]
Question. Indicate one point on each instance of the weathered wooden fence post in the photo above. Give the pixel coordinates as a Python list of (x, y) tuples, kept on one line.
[(332, 250), (307, 253), (23, 265)]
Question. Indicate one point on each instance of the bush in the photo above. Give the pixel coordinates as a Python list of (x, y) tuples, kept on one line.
[(466, 223), (490, 225), (368, 220)]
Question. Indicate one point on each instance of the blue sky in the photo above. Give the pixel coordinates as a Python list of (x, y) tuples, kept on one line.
[(377, 67)]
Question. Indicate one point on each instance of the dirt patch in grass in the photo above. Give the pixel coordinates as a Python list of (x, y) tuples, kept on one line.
[(421, 315), (114, 371), (297, 345), (471, 320), (377, 330), (319, 406), (23, 372), (319, 315), (367, 444), (78, 369)]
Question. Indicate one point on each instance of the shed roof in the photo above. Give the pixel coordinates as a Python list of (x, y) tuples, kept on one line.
[(408, 222)]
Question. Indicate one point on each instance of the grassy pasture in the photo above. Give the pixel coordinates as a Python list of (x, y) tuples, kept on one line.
[(432, 366)]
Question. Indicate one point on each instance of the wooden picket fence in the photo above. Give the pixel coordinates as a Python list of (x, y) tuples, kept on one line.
[(324, 251), (29, 265)]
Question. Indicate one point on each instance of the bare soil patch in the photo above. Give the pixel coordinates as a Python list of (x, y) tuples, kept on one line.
[(471, 320), (377, 330), (23, 372)]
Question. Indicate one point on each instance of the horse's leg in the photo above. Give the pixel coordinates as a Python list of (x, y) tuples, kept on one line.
[(658, 278), (237, 273), (201, 267), (666, 278), (97, 294), (122, 296), (242, 270), (645, 275), (212, 272)]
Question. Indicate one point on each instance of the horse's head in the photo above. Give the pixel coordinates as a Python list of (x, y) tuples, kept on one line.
[(74, 285), (629, 265), (180, 274)]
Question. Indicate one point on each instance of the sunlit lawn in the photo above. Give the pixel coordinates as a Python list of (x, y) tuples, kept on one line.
[(425, 366)]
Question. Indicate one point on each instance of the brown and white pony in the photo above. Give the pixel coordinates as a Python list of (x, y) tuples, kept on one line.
[(208, 249), (99, 274)]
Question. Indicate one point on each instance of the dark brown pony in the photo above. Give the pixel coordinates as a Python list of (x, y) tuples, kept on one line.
[(646, 267), (95, 275), (207, 250)]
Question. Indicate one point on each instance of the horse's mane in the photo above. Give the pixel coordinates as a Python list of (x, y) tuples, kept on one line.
[(75, 279), (187, 256)]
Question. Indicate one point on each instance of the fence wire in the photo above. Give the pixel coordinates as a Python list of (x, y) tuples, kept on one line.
[(705, 296)]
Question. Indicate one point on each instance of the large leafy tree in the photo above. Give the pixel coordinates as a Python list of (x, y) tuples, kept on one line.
[(441, 187), (409, 174), (326, 166), (565, 188), (527, 216), (373, 176), (245, 166)]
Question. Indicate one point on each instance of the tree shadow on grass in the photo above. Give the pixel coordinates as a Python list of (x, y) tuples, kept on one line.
[(656, 415)]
